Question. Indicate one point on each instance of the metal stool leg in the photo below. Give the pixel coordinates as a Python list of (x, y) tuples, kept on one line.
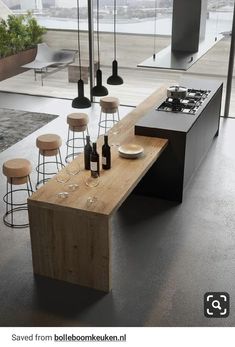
[(67, 144), (106, 125), (83, 136), (43, 167), (73, 144), (28, 188), (29, 184), (61, 161), (12, 222), (39, 157), (7, 198), (57, 162), (99, 123), (118, 114)]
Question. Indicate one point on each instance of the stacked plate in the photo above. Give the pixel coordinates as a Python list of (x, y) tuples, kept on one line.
[(130, 151)]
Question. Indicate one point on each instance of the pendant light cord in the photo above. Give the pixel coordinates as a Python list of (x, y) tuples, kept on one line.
[(98, 34), (79, 43), (155, 30), (217, 21), (114, 29)]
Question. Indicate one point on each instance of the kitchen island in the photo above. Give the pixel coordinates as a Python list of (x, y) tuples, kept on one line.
[(190, 136), (71, 238)]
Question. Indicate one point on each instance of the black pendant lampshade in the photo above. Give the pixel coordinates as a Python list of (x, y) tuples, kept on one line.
[(99, 89), (80, 101), (114, 79)]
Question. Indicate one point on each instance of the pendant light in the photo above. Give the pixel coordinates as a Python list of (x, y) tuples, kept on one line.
[(81, 101), (115, 79), (99, 90)]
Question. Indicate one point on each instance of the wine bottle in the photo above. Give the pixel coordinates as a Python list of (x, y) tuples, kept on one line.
[(94, 161), (106, 154), (87, 153)]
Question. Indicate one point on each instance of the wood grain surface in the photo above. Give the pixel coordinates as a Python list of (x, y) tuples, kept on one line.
[(115, 184), (71, 246), (71, 238)]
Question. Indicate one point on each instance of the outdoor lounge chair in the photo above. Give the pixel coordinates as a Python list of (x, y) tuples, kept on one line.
[(49, 61)]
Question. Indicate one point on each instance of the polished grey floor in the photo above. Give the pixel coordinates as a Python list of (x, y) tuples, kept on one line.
[(165, 256)]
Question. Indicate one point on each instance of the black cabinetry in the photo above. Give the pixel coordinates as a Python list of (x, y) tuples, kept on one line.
[(190, 137)]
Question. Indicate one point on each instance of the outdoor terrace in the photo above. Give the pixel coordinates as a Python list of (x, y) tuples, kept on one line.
[(132, 49)]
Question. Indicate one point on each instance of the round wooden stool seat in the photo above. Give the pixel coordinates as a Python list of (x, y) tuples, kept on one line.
[(17, 170), (78, 129), (49, 144), (109, 104), (77, 121)]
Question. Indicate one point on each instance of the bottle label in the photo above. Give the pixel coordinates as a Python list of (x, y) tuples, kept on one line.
[(94, 166), (104, 160)]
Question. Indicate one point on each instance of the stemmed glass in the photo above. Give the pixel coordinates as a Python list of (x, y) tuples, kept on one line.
[(114, 132), (63, 178), (92, 181), (72, 170)]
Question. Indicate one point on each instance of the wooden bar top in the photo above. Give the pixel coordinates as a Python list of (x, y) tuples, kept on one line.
[(115, 184)]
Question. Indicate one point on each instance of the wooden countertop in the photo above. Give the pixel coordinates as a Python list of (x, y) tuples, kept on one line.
[(115, 184)]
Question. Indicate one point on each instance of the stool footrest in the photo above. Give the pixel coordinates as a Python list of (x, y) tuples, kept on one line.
[(10, 212)]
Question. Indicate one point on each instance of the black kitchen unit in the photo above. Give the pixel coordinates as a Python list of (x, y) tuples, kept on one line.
[(190, 124)]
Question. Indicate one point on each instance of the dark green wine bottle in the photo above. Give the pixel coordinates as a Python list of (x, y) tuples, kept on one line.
[(87, 153), (106, 154)]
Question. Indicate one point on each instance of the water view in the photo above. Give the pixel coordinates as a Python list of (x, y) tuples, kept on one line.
[(216, 23)]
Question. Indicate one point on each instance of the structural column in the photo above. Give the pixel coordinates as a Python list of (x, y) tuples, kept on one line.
[(230, 69), (91, 45)]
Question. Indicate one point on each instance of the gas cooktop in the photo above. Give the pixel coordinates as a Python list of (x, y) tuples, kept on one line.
[(188, 105)]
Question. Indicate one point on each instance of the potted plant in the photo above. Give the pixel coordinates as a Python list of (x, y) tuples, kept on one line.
[(19, 36)]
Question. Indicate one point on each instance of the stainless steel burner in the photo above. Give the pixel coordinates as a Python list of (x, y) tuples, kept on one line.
[(189, 105)]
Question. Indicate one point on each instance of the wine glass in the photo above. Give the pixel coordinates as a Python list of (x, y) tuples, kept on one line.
[(72, 185), (63, 178), (114, 141), (92, 181), (72, 170), (91, 200)]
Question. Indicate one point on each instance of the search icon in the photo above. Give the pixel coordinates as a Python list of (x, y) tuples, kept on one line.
[(216, 304)]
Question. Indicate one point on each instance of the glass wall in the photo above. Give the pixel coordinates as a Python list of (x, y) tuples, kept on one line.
[(134, 16), (135, 41)]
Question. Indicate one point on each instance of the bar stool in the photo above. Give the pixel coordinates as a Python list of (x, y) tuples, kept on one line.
[(17, 172), (109, 106), (77, 123), (49, 146)]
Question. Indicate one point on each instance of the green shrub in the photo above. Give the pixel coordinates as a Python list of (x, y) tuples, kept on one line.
[(19, 33)]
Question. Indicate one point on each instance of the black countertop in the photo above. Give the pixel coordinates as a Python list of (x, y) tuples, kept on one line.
[(178, 121)]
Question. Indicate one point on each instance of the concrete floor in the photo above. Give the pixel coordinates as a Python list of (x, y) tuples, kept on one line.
[(165, 256)]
